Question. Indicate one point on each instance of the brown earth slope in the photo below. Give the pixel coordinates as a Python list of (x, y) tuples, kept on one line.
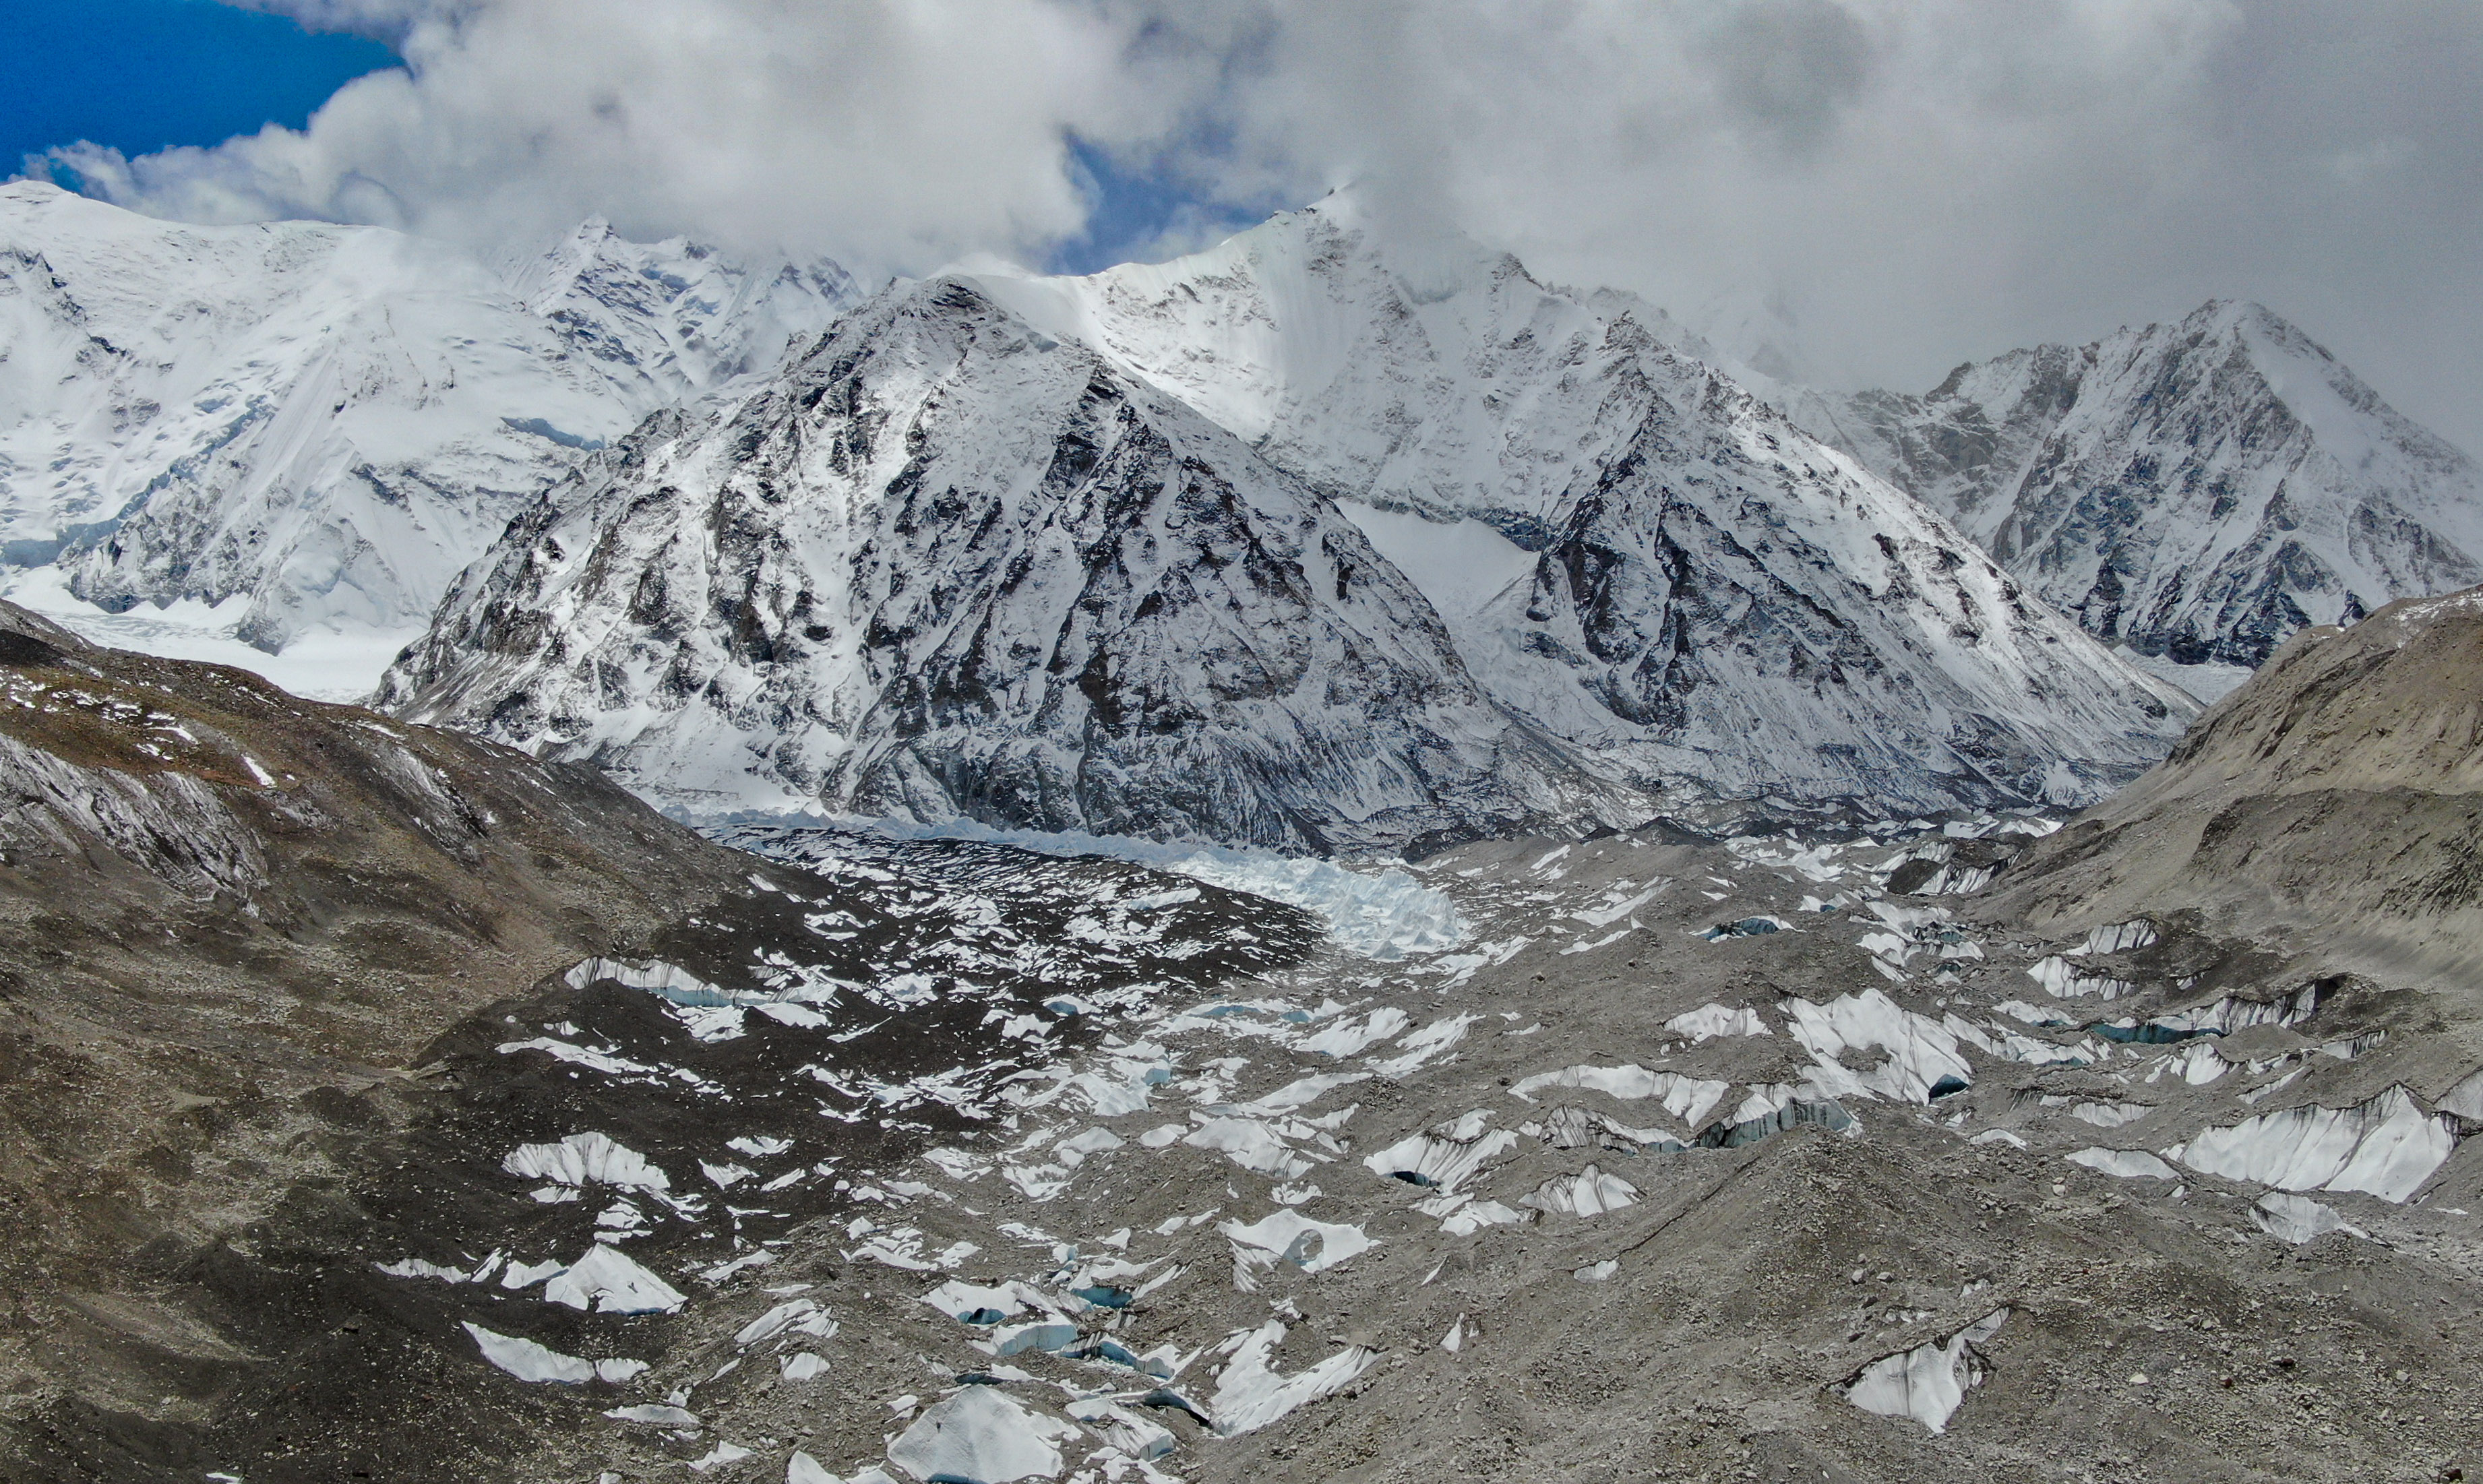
[(229, 921), (2332, 807), (282, 984)]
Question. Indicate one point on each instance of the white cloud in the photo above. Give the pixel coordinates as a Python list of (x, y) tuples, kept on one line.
[(1925, 180), (1920, 180), (894, 133)]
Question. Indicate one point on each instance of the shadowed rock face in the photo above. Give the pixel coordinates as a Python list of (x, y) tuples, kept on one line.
[(1729, 603), (950, 566), (2196, 490)]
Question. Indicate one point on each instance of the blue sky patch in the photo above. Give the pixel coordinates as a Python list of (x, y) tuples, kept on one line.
[(141, 75)]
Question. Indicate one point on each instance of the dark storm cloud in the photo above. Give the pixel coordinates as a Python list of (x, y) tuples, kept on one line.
[(1788, 68)]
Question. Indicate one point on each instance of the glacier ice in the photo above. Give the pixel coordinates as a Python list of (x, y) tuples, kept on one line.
[(2298, 1219), (2465, 1098), (1590, 1192), (612, 1283), (983, 1434), (1132, 1433), (1345, 1038), (1686, 1097), (2117, 937), (528, 1361), (1446, 1157), (1928, 1382), (584, 1159), (1708, 1020), (1922, 1055), (796, 1316), (2386, 1145), (1249, 1394), (1287, 1236), (1252, 1145), (1376, 913)]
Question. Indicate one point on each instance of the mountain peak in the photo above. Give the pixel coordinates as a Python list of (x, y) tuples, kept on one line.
[(2196, 490), (338, 418), (2230, 316), (32, 192), (1663, 590)]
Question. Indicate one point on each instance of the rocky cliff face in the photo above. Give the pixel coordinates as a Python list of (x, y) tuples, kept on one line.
[(1736, 605), (321, 425), (2197, 491)]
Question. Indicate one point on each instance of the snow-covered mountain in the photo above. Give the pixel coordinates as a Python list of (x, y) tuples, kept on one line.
[(318, 426), (1591, 450), (1388, 368), (1282, 543), (2195, 491), (951, 565)]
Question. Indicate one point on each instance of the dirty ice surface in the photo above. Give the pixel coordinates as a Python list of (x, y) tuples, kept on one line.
[(1117, 1204), (1375, 912), (1928, 1382)]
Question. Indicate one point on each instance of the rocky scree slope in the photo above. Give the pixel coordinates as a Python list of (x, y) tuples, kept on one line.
[(2197, 491), (1707, 601), (325, 423), (1696, 1156), (230, 923)]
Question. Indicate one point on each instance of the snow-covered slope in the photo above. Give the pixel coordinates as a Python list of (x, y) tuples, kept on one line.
[(979, 555), (1734, 605), (670, 320), (1707, 574), (1390, 367), (304, 426), (952, 565), (2196, 490)]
